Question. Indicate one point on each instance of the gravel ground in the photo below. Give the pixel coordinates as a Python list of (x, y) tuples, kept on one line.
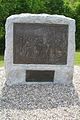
[(40, 102)]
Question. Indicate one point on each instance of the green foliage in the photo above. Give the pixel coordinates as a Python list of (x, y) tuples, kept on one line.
[(70, 8), (55, 6), (77, 18)]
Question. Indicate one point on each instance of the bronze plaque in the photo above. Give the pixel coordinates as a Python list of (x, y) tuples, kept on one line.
[(39, 76), (35, 43)]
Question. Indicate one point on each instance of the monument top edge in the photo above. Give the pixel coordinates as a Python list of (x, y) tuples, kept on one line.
[(25, 15)]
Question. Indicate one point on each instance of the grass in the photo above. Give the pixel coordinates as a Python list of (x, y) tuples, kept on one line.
[(77, 59), (1, 61)]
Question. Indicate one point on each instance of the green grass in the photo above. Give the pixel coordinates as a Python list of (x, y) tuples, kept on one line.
[(77, 59), (1, 61)]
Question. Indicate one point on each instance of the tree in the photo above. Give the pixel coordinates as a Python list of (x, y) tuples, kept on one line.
[(77, 18)]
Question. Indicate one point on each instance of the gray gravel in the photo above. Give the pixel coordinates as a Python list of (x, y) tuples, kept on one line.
[(40, 102)]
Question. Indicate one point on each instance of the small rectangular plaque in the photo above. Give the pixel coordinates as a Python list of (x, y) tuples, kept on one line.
[(35, 43), (39, 76)]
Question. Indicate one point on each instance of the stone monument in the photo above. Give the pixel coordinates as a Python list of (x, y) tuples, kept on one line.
[(40, 48)]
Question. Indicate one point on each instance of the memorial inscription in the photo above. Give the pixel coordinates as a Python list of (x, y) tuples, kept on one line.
[(35, 43), (39, 76)]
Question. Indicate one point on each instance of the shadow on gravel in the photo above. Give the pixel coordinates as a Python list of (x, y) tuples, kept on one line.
[(31, 97)]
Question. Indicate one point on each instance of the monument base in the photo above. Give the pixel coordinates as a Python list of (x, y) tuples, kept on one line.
[(61, 76)]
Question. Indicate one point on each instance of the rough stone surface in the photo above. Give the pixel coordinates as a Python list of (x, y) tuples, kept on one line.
[(16, 71), (40, 102)]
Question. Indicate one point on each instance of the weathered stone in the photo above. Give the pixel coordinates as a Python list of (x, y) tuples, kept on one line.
[(16, 70)]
